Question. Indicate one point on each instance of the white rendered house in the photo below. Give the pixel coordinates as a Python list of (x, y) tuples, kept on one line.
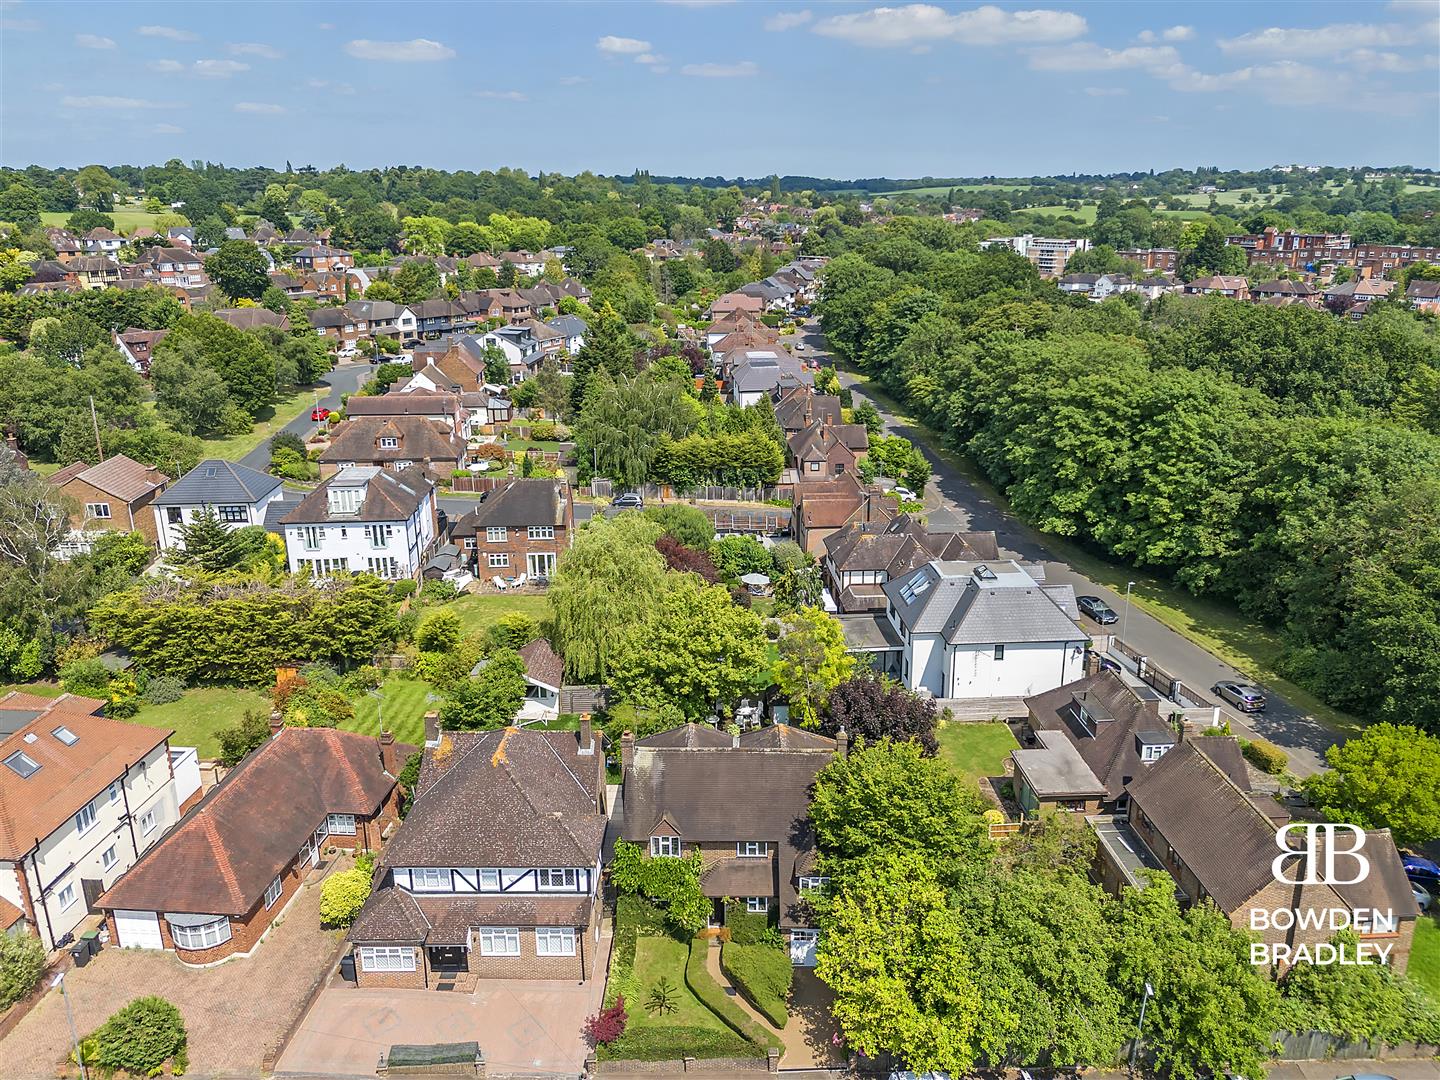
[(238, 495), (364, 519)]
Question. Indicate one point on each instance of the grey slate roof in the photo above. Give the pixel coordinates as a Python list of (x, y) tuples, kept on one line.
[(952, 600), (568, 325), (766, 369), (520, 503), (215, 482)]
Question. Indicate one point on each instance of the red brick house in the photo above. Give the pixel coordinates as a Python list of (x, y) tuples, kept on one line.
[(822, 449), (321, 257), (495, 873), (396, 443), (114, 496), (212, 887), (521, 528)]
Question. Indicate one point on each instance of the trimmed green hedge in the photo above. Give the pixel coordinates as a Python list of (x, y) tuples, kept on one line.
[(745, 927), (1265, 756), (762, 974), (672, 1041), (704, 987)]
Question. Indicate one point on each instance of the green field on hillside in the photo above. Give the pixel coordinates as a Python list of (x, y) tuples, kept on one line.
[(126, 221)]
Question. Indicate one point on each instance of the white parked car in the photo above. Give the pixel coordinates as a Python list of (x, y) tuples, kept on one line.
[(906, 494)]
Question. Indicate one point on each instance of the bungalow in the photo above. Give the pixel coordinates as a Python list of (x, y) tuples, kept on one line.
[(113, 496), (985, 630), (495, 872), (82, 798), (743, 802), (363, 520), (237, 494), (1233, 286), (212, 888), (395, 443)]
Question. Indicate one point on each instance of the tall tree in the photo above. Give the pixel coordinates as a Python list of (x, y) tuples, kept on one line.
[(871, 706), (240, 269), (1384, 778), (812, 663)]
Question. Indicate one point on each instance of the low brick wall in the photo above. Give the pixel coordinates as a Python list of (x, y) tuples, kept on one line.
[(628, 1067)]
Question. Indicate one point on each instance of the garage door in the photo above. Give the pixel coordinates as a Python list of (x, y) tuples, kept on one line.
[(802, 947), (138, 930)]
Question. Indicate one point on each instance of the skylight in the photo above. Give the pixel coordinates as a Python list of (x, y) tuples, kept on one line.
[(65, 735), (22, 764)]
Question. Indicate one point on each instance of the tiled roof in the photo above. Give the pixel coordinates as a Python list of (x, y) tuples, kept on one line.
[(118, 476), (393, 915), (218, 482), (542, 663), (687, 735), (225, 852), (388, 497), (519, 504), (419, 439)]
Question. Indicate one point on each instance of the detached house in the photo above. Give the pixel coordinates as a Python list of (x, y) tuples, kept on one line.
[(212, 888), (175, 267), (320, 257), (114, 496), (495, 873), (363, 520), (743, 802), (138, 347), (396, 443), (1233, 286), (82, 797), (859, 559), (984, 630), (237, 494), (824, 449), (522, 527), (796, 408)]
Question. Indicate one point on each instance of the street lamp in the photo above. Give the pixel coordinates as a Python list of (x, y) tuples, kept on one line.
[(1125, 626), (1139, 1027), (379, 696), (69, 1016)]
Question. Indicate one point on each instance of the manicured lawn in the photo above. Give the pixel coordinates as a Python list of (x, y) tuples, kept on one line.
[(1221, 629), (126, 221), (478, 611), (1425, 956), (691, 1028), (403, 703), (976, 750), (39, 689), (201, 713), (289, 405), (516, 446)]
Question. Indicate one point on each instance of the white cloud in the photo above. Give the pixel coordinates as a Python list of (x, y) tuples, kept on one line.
[(741, 69), (622, 46), (1391, 62), (1106, 91), (259, 107), (167, 129), (1087, 56), (219, 69), (106, 101), (502, 95), (417, 50), (170, 32), (1173, 33), (915, 24), (18, 25), (326, 84), (1284, 82), (94, 41), (1324, 40), (166, 66), (573, 80), (254, 48), (788, 20), (325, 26)]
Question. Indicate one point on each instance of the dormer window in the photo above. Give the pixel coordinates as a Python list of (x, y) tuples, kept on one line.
[(751, 849), (389, 442), (665, 847)]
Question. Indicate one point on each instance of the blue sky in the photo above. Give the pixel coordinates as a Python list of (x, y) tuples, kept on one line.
[(704, 88)]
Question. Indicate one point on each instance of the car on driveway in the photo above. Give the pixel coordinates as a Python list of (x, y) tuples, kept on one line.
[(628, 500), (1246, 697), (319, 413), (1423, 899), (1097, 609), (906, 494), (1421, 871)]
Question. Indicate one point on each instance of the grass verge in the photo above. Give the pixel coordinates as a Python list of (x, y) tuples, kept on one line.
[(1220, 629), (1424, 965)]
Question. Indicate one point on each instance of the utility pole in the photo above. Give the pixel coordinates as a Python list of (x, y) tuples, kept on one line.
[(1140, 1027), (70, 1016), (1125, 626), (95, 423)]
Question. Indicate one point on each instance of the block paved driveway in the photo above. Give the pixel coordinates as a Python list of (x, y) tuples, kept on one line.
[(522, 1026), (233, 1011)]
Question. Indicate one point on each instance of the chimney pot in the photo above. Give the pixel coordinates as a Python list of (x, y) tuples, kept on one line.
[(276, 723), (587, 735), (387, 738)]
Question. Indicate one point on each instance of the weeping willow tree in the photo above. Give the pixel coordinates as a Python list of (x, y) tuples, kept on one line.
[(606, 583), (624, 421)]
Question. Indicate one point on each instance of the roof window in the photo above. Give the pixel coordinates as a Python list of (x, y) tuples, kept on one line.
[(22, 764), (65, 735)]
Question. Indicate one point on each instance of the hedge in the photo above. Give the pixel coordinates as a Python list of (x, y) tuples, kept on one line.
[(672, 1041), (704, 987), (762, 974), (1265, 756), (745, 927)]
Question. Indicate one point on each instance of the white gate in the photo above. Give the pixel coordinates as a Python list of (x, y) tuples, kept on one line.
[(802, 947)]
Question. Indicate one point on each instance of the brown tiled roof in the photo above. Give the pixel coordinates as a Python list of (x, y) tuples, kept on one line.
[(9, 914), (784, 737), (542, 663), (687, 735), (740, 877), (358, 440), (519, 504), (393, 915), (414, 403), (388, 497), (225, 852), (33, 807), (118, 476), (513, 797)]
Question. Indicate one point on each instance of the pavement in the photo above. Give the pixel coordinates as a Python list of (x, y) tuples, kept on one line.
[(954, 501), (347, 377)]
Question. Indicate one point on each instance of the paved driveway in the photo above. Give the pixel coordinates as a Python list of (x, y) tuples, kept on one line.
[(234, 1012), (521, 1025)]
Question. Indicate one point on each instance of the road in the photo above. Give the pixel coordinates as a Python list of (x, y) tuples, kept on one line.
[(346, 378), (953, 501)]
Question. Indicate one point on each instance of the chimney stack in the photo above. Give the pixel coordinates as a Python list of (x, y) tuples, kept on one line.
[(387, 752), (842, 742), (276, 723), (587, 735), (627, 751)]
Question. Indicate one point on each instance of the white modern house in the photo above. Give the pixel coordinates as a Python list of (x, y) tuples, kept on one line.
[(364, 519), (984, 630), (237, 494), (82, 797)]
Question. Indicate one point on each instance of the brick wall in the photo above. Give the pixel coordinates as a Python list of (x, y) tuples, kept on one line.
[(121, 514), (393, 980), (517, 545)]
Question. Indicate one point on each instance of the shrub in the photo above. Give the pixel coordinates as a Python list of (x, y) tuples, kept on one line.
[(164, 689), (343, 895), (140, 1038), (22, 962), (608, 1024), (544, 431), (400, 590), (512, 630), (744, 927), (240, 738), (88, 677), (1265, 756), (704, 987), (437, 592), (439, 631), (762, 974)]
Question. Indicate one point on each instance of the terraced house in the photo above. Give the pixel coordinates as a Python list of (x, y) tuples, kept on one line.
[(495, 873)]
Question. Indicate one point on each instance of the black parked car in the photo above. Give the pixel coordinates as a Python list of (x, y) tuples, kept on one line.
[(1097, 609), (1244, 696)]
